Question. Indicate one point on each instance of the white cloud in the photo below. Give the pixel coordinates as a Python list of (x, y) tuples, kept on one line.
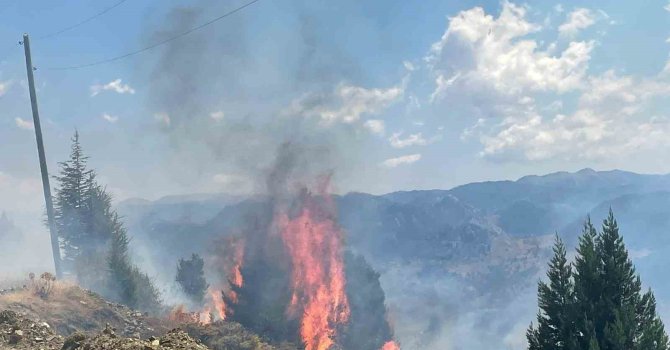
[(376, 126), (578, 19), (612, 119), (115, 86), (411, 140), (409, 66), (559, 8), (218, 115), (163, 118), (24, 124), (442, 84), (110, 118), (403, 160), (667, 7), (487, 52), (346, 104)]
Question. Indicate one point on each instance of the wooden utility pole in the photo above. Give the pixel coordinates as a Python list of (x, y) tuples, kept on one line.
[(55, 247)]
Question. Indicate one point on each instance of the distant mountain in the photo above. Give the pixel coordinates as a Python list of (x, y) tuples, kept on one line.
[(459, 266)]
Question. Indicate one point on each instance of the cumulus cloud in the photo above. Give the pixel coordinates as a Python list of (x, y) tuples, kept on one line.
[(24, 124), (611, 119), (577, 20), (110, 118), (402, 160), (376, 126), (411, 140), (442, 84), (346, 104), (115, 86), (487, 52)]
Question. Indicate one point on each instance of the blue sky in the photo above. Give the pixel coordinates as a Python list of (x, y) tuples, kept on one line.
[(406, 95)]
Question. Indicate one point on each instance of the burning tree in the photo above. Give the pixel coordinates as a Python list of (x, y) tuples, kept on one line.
[(299, 285)]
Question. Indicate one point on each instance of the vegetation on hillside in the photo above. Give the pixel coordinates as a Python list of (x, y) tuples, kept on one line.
[(596, 303), (93, 239)]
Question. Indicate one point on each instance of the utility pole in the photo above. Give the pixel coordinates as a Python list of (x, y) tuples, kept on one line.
[(55, 247)]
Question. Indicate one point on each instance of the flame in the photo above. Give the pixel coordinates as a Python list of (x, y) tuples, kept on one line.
[(180, 315), (237, 278), (391, 345), (217, 301), (313, 241)]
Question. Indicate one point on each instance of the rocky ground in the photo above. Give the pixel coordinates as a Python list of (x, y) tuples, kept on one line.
[(19, 332), (75, 319)]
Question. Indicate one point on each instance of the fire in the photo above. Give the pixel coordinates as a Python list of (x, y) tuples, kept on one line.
[(313, 241), (391, 345), (217, 301), (180, 315), (237, 278)]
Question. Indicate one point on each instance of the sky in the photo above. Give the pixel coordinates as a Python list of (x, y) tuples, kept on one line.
[(389, 95)]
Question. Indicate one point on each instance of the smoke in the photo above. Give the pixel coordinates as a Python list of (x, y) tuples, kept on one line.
[(225, 102), (263, 119)]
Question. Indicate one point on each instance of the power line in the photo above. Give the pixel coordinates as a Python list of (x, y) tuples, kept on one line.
[(163, 42), (82, 22)]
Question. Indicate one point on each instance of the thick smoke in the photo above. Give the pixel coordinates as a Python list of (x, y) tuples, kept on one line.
[(223, 101), (231, 109)]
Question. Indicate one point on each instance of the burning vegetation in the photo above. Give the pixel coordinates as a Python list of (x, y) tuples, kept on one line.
[(286, 274)]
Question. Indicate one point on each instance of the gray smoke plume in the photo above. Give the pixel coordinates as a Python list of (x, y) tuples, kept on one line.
[(224, 103)]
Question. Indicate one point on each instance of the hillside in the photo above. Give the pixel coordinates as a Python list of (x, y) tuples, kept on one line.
[(87, 321), (458, 261)]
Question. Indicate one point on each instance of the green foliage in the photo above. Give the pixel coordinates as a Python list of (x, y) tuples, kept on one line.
[(71, 202), (599, 305), (93, 239), (367, 327), (191, 277), (127, 284)]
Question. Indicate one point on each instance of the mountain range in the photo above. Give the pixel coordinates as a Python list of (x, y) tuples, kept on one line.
[(459, 266)]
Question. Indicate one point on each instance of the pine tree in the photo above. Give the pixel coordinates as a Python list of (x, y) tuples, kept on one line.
[(127, 284), (556, 321), (93, 239), (588, 287), (608, 311), (74, 185), (191, 277), (620, 289)]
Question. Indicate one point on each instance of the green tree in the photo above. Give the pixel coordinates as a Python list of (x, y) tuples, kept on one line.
[(556, 320), (74, 184), (93, 239), (127, 284), (191, 277), (609, 311), (588, 289)]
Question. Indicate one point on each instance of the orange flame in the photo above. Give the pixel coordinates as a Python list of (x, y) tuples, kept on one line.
[(236, 278), (318, 278), (217, 301), (391, 345)]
